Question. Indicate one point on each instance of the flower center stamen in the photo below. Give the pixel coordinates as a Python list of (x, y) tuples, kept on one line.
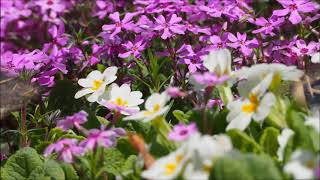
[(96, 84)]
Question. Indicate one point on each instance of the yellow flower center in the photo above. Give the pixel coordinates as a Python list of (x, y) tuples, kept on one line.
[(96, 84), (120, 102), (252, 105), (156, 108), (206, 168), (179, 158), (170, 168)]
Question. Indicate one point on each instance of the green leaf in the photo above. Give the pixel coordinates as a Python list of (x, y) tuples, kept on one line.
[(268, 140), (245, 167), (302, 137), (69, 172), (181, 116), (103, 121), (50, 170), (21, 164), (243, 142), (101, 67)]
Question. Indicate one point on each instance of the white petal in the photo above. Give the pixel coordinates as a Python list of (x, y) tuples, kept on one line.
[(96, 75), (83, 92), (315, 58), (94, 96), (85, 82), (241, 122), (138, 116), (152, 100), (264, 107), (135, 98), (283, 139)]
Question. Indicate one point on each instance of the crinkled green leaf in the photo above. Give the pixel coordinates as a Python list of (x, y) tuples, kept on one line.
[(20, 165), (181, 116), (245, 167), (50, 170)]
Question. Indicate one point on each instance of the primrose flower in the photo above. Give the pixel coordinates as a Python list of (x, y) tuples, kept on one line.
[(95, 83), (283, 139), (218, 62), (155, 106), (294, 7), (122, 99), (257, 106), (167, 167), (182, 132), (250, 77), (203, 150), (66, 149), (169, 28), (74, 120), (104, 138), (302, 165), (241, 42), (126, 23)]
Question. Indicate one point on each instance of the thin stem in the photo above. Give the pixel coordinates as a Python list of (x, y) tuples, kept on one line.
[(23, 126)]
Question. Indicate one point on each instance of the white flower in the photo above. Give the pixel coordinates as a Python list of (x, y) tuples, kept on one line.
[(283, 139), (203, 151), (95, 83), (302, 165), (155, 106), (314, 121), (251, 76), (122, 99), (315, 58), (257, 106), (168, 167), (218, 62)]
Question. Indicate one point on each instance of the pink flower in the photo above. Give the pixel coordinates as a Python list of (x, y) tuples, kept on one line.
[(182, 132), (267, 26), (66, 149), (126, 23), (169, 28), (241, 42), (175, 92), (133, 49), (74, 120), (104, 138), (210, 79), (302, 48), (294, 7), (213, 102)]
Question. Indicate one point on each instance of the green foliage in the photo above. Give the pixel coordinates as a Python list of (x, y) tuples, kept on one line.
[(115, 163), (181, 116), (245, 167), (268, 141), (28, 164), (21, 164), (302, 137), (243, 142)]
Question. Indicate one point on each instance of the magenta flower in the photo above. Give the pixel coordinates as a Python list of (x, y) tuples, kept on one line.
[(267, 26), (58, 39), (104, 7), (241, 42), (294, 7), (175, 92), (303, 49), (170, 28), (210, 79), (214, 102), (126, 23), (218, 42), (104, 138), (182, 132), (73, 121), (66, 149), (133, 49)]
